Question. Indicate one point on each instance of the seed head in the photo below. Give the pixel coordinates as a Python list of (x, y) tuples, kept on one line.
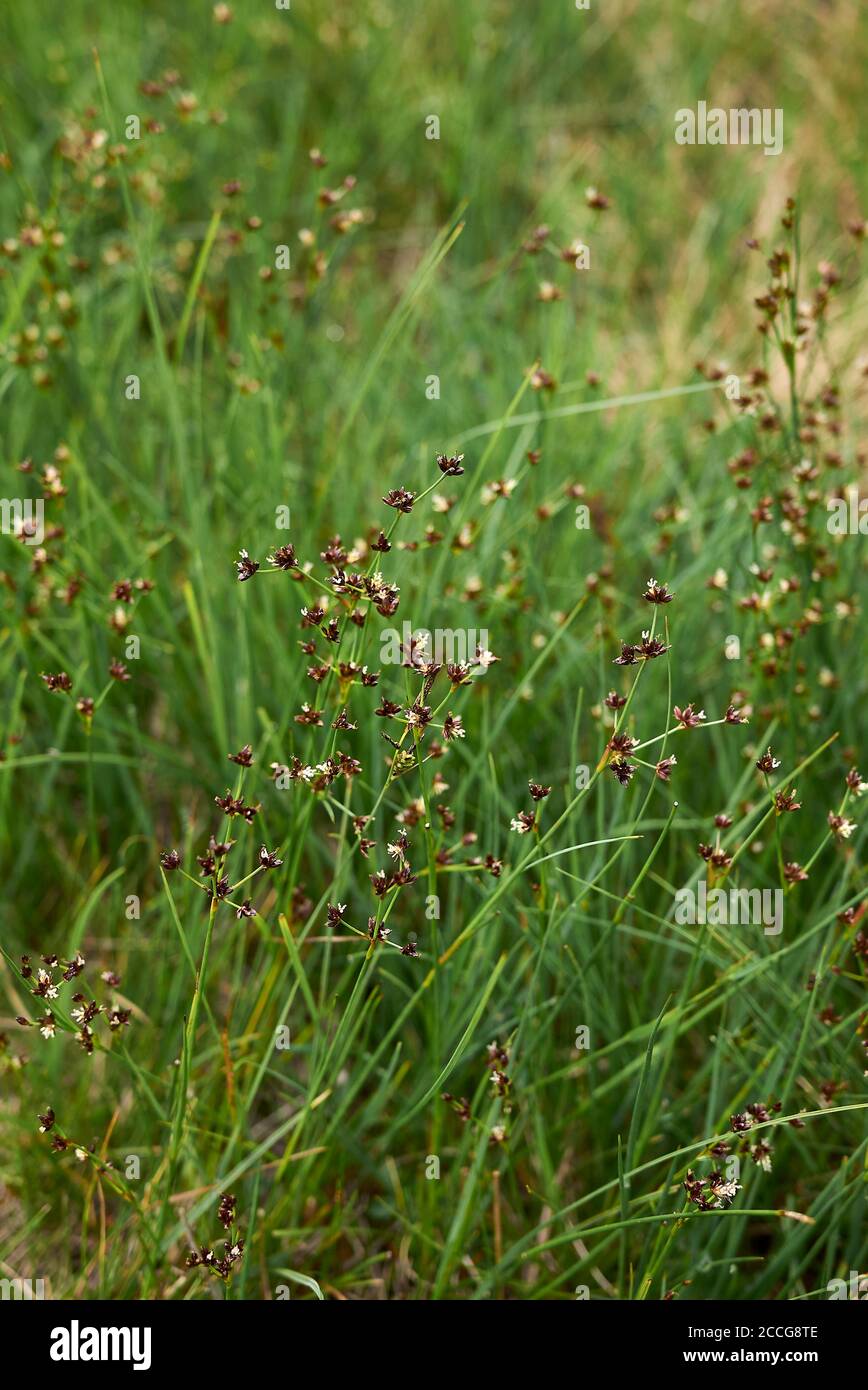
[(61, 681), (841, 828), (650, 647), (623, 770), (268, 859), (453, 726), (786, 801), (688, 718), (245, 567), (400, 499), (282, 559), (657, 593), (622, 743), (767, 762), (226, 1211), (451, 467), (733, 716)]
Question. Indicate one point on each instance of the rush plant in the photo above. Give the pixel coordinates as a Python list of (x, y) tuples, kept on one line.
[(357, 370)]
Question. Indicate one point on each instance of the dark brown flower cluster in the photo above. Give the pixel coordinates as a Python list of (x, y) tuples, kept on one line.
[(790, 451), (62, 1143), (525, 821), (497, 1062), (46, 982), (646, 650), (711, 1191), (213, 880), (340, 615), (760, 1151), (123, 593), (221, 1266)]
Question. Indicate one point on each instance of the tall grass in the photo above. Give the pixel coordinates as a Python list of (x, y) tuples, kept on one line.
[(291, 1058)]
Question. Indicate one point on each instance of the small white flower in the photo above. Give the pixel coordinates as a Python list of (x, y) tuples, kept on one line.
[(724, 1192), (762, 1155), (49, 990)]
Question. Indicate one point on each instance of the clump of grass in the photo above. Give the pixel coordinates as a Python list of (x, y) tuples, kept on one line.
[(406, 990)]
